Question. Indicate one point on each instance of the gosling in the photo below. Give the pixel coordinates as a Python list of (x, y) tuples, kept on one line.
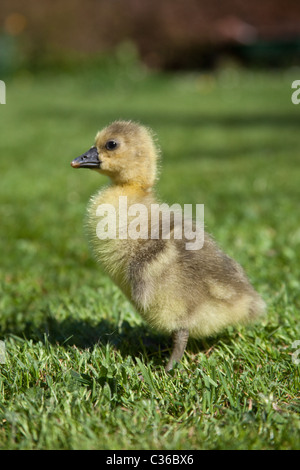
[(186, 293)]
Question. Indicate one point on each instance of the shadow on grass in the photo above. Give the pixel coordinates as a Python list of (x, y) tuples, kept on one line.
[(127, 339)]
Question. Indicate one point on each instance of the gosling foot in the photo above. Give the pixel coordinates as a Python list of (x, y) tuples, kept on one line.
[(180, 339)]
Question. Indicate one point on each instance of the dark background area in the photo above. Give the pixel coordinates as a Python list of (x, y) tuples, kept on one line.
[(169, 35)]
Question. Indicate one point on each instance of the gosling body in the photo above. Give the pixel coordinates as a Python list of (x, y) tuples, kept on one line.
[(177, 291)]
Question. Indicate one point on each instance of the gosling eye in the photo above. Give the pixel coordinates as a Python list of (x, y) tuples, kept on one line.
[(111, 144)]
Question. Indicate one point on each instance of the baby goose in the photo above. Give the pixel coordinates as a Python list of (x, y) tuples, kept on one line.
[(183, 292)]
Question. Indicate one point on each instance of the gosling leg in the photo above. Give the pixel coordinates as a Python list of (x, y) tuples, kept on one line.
[(180, 339)]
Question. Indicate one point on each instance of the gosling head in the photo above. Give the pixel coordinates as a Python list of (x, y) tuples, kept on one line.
[(124, 151)]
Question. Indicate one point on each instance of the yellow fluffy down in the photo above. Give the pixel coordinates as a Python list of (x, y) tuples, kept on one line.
[(202, 291)]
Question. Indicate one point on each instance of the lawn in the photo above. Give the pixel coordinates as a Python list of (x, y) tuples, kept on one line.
[(74, 345)]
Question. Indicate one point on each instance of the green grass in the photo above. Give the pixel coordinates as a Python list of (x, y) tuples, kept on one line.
[(74, 346)]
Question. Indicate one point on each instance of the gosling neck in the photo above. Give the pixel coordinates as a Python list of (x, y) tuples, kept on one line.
[(132, 187)]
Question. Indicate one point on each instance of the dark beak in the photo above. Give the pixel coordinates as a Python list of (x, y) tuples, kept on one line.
[(89, 159)]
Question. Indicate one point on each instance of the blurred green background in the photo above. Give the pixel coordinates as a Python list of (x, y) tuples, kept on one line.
[(214, 82)]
